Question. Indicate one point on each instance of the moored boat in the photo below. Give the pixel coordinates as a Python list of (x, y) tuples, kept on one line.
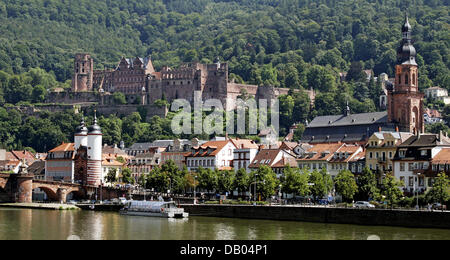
[(153, 209)]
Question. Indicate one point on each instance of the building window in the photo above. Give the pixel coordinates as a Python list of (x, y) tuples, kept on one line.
[(402, 167)]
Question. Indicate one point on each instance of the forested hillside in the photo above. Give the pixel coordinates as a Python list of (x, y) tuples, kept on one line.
[(297, 44), (246, 33)]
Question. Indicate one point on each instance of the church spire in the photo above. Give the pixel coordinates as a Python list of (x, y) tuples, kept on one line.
[(406, 53)]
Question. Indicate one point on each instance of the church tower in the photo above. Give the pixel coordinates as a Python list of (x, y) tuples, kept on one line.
[(405, 101)]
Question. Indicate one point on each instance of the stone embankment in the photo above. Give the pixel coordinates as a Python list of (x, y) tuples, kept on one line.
[(372, 217)]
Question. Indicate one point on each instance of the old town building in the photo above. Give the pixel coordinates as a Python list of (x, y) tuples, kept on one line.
[(381, 149), (416, 160), (212, 155)]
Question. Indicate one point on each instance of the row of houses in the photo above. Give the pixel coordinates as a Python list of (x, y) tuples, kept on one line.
[(415, 160)]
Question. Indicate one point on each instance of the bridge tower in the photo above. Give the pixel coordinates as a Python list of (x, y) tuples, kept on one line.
[(81, 136), (94, 153)]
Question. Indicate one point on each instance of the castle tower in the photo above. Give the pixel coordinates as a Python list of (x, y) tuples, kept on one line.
[(404, 100), (94, 153), (83, 77), (81, 136)]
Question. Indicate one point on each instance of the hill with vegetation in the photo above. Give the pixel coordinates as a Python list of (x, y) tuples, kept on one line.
[(297, 44)]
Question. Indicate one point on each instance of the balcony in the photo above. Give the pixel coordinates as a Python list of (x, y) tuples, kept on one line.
[(382, 160)]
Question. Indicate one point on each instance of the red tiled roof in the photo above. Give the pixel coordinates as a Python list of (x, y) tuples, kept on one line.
[(321, 152), (350, 149), (11, 157), (244, 144), (288, 145), (286, 161), (443, 157), (268, 157), (69, 147), (202, 151), (24, 155)]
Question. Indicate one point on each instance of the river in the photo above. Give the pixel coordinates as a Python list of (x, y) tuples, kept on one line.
[(27, 224)]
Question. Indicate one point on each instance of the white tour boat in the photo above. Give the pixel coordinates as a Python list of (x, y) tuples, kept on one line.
[(153, 209)]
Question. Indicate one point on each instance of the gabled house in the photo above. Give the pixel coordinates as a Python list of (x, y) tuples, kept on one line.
[(418, 160), (277, 159), (211, 155)]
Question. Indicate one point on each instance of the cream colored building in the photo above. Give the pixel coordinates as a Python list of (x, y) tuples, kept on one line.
[(381, 149)]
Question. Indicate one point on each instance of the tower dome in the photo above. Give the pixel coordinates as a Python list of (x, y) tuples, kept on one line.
[(406, 53), (81, 135), (95, 129)]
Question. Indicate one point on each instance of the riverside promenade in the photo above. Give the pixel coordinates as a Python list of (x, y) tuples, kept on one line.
[(47, 206), (372, 217)]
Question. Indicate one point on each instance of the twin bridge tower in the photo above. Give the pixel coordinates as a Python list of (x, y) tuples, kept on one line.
[(90, 141)]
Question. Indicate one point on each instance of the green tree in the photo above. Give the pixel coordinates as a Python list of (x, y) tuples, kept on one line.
[(367, 185), (241, 181), (295, 182), (38, 94), (390, 190), (346, 185), (119, 98), (111, 177), (207, 179), (225, 180), (356, 72), (127, 177), (441, 189), (266, 181)]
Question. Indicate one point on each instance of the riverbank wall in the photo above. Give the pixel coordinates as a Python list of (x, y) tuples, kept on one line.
[(49, 206), (372, 217)]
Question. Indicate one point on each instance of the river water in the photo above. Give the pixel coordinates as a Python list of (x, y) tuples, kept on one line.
[(27, 224)]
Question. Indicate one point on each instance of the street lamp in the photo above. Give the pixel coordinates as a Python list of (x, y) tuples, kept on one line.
[(195, 200), (256, 175), (416, 187), (280, 194)]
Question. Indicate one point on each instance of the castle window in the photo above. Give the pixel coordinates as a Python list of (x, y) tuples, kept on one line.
[(406, 79)]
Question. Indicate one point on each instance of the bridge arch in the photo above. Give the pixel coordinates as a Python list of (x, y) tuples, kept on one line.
[(52, 194), (3, 182)]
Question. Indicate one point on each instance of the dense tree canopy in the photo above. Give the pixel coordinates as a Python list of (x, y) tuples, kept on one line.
[(254, 36), (296, 44)]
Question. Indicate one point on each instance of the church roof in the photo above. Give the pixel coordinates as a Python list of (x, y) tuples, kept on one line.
[(353, 128), (350, 120)]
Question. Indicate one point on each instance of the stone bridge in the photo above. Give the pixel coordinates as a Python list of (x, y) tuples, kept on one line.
[(19, 188)]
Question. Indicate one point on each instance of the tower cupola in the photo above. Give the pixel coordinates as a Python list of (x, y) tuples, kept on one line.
[(95, 129), (406, 53), (81, 135)]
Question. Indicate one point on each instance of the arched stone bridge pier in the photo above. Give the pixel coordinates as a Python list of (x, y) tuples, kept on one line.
[(19, 188)]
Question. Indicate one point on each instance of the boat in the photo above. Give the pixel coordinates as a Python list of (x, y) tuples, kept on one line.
[(153, 209)]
